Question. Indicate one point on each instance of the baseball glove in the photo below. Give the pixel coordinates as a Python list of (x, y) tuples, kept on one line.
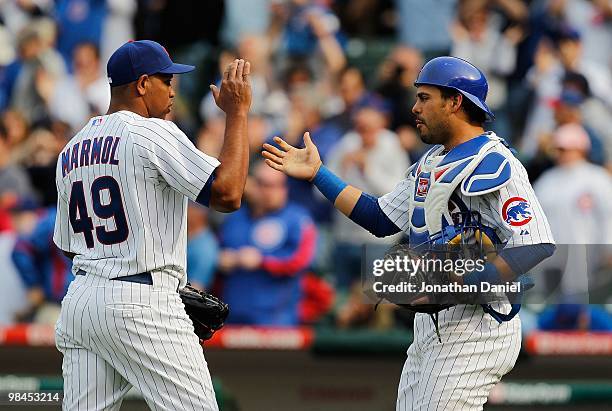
[(207, 312), (420, 280)]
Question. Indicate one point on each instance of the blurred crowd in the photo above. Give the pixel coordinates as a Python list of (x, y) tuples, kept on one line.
[(344, 70)]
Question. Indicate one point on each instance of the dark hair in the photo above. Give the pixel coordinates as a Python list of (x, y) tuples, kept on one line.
[(578, 81), (565, 33), (91, 45), (297, 66), (475, 114), (120, 90)]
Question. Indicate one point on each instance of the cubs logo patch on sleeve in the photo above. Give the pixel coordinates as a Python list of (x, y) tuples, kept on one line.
[(516, 211)]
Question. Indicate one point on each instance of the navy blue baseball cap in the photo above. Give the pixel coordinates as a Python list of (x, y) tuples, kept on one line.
[(136, 58)]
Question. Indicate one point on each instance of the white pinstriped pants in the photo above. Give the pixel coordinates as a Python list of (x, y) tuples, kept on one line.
[(115, 335), (457, 374)]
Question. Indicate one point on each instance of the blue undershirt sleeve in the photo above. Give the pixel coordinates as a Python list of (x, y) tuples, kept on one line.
[(368, 214), (520, 259), (524, 258), (204, 196)]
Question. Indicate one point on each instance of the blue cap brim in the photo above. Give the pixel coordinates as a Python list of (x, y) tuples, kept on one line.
[(176, 68)]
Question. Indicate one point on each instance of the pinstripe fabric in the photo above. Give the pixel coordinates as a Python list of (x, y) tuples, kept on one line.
[(116, 334), (158, 170), (458, 373), (476, 351)]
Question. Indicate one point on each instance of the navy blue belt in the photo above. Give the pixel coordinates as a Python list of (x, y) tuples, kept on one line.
[(142, 278)]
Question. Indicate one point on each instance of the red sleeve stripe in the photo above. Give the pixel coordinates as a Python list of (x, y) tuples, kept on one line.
[(297, 261), (24, 247)]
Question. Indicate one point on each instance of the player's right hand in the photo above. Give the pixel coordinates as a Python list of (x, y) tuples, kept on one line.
[(234, 97), (300, 163)]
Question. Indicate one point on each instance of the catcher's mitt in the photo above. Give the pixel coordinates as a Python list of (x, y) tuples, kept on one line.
[(206, 311), (418, 277)]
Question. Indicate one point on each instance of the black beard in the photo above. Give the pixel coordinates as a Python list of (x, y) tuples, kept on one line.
[(435, 138), (440, 136), (427, 139)]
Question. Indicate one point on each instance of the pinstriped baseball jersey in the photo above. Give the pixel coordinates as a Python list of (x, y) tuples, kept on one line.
[(475, 351), (494, 208), (123, 183)]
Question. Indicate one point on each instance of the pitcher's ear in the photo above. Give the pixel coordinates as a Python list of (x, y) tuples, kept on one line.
[(141, 84)]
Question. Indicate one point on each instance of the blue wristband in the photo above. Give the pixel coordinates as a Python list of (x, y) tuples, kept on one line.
[(329, 184), (488, 275)]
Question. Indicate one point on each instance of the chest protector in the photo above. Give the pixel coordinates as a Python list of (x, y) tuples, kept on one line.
[(475, 169), (471, 165)]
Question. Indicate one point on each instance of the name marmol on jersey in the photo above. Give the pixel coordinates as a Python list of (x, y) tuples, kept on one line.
[(98, 150)]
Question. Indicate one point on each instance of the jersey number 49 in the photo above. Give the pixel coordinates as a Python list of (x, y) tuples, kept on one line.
[(80, 220)]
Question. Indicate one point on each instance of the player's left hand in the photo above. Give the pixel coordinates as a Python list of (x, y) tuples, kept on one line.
[(234, 97), (300, 163), (207, 312)]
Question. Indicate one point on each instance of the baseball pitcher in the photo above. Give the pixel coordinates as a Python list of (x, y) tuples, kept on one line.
[(123, 185)]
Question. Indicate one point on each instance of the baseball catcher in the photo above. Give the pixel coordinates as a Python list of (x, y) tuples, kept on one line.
[(469, 183)]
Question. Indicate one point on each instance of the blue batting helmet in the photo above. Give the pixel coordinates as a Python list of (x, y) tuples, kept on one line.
[(458, 74)]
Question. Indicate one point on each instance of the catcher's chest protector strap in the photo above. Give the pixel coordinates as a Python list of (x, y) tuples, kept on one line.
[(516, 299), (435, 183), (501, 317), (434, 318)]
